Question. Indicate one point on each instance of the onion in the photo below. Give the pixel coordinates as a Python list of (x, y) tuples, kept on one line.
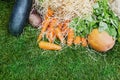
[(35, 19)]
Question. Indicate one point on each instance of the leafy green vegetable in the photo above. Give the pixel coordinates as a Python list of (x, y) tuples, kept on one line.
[(102, 26), (119, 32), (102, 18), (41, 0), (82, 27)]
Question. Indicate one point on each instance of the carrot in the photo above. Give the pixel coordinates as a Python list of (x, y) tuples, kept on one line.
[(51, 31), (45, 25), (77, 40), (66, 21), (60, 25), (70, 37), (50, 35), (84, 42), (65, 28), (53, 23), (49, 13), (49, 46), (44, 28), (58, 33)]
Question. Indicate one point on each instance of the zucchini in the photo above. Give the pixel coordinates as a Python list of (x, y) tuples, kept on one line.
[(19, 16)]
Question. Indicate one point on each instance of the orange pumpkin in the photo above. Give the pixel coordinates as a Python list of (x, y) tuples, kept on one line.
[(100, 41)]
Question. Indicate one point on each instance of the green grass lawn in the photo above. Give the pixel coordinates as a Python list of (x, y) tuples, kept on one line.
[(22, 59)]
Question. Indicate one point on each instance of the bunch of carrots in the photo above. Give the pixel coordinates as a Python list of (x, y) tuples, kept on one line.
[(52, 29)]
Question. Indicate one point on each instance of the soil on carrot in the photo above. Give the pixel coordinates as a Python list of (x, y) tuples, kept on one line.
[(22, 59)]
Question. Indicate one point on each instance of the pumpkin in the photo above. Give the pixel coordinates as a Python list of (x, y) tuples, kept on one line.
[(100, 41)]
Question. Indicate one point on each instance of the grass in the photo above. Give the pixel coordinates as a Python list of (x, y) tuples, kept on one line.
[(21, 58)]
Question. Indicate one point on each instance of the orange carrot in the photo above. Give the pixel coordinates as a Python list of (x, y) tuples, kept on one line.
[(84, 42), (49, 46), (53, 23), (65, 31), (44, 28), (49, 13), (70, 37), (50, 35), (51, 32), (58, 33), (66, 21), (65, 24), (65, 28), (45, 25), (77, 40), (60, 25)]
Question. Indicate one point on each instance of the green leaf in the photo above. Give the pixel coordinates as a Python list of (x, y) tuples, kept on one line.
[(96, 5), (114, 23), (89, 18), (102, 18), (119, 33), (102, 26), (113, 32)]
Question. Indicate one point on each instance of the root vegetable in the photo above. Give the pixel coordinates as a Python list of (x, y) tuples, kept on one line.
[(50, 35), (60, 25), (58, 33), (77, 40), (51, 30), (44, 28), (70, 37), (53, 23), (65, 28), (49, 13), (35, 19), (84, 42), (49, 46)]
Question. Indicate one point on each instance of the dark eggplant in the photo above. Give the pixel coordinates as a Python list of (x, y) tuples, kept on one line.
[(19, 16)]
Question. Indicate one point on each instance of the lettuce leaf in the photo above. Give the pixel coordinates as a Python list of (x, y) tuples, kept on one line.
[(102, 18)]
